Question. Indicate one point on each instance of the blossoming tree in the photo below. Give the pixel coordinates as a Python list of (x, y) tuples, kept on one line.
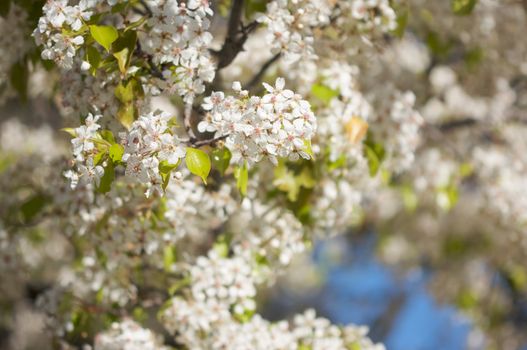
[(210, 143)]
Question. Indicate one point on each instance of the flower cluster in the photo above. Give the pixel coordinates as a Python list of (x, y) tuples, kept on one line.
[(264, 232), (278, 124), (192, 211), (227, 281), (151, 140), (217, 284), (290, 26), (84, 151), (128, 335), (293, 26), (58, 29), (306, 331), (178, 36), (373, 15), (85, 93), (503, 180), (397, 123)]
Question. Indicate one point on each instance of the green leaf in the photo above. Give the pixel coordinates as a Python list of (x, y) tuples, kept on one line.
[(19, 76), (198, 162), (107, 179), (241, 173), (139, 314), (254, 6), (463, 7), (127, 92), (116, 152), (402, 20), (33, 206), (338, 163), (107, 135), (221, 157), (93, 57), (374, 162), (97, 159), (308, 148), (135, 24), (221, 248), (245, 316), (284, 180), (104, 35), (437, 46), (466, 300), (5, 162), (323, 93), (474, 57), (124, 92), (164, 170), (287, 181), (176, 287), (169, 258), (126, 114), (5, 5), (120, 8), (374, 152), (70, 131), (123, 49), (447, 197), (466, 169), (410, 199)]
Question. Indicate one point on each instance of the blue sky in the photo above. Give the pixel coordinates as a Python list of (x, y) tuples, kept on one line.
[(359, 289)]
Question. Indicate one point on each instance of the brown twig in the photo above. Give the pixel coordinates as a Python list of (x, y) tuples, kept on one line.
[(237, 34), (212, 141), (258, 77)]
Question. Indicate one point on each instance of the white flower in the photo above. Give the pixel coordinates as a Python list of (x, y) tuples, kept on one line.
[(277, 124), (90, 173)]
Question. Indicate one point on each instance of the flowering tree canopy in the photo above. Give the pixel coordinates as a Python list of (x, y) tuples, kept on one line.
[(181, 154)]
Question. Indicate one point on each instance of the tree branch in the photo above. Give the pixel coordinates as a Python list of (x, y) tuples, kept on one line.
[(188, 123), (234, 41), (456, 124), (258, 77), (208, 141)]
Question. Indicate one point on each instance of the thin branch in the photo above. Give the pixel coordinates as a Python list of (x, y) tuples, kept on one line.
[(237, 34), (258, 77), (448, 126), (235, 19), (187, 122), (201, 143)]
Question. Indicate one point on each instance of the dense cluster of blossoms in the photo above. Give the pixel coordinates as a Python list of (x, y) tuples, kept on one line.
[(269, 233), (277, 125), (128, 335), (400, 132), (178, 36), (293, 26), (59, 29), (84, 151), (197, 254), (290, 26), (306, 330), (149, 142)]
